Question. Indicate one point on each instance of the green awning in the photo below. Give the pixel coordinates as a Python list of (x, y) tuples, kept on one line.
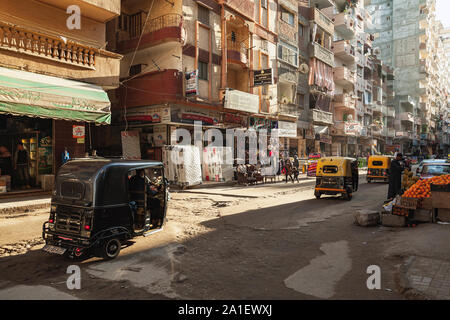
[(30, 94)]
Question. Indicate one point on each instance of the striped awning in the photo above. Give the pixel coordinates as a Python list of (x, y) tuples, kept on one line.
[(30, 94)]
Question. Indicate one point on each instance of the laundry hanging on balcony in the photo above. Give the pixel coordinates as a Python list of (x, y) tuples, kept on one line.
[(321, 75), (34, 95)]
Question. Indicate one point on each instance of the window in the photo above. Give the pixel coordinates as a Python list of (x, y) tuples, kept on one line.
[(287, 16), (330, 169), (288, 53), (203, 15), (264, 4), (202, 70), (300, 31), (377, 163), (300, 99)]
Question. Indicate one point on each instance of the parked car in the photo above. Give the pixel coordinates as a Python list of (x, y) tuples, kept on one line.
[(430, 170), (417, 168)]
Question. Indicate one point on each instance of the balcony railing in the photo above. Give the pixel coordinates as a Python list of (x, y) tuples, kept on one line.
[(322, 21), (289, 109), (161, 22), (403, 134), (321, 117), (322, 53), (344, 101), (345, 25), (37, 44), (237, 52), (344, 76), (406, 116), (344, 50)]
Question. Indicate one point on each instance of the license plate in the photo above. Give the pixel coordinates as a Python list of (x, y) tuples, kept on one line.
[(53, 249)]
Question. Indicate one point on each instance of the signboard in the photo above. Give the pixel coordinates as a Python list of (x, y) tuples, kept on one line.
[(242, 101), (191, 83), (392, 148), (231, 118), (191, 115), (287, 129), (131, 148), (160, 135), (262, 123), (325, 138), (78, 132), (352, 128), (262, 77), (154, 114)]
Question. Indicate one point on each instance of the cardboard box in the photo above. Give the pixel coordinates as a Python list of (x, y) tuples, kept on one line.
[(440, 199), (2, 189), (366, 218), (47, 181), (443, 215), (390, 220)]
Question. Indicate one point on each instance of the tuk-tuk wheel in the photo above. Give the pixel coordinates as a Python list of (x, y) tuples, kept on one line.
[(317, 194), (110, 248), (369, 181)]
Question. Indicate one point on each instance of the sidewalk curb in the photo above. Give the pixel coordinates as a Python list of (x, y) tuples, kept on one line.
[(403, 285), (31, 207)]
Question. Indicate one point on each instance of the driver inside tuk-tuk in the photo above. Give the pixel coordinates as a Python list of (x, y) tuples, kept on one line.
[(140, 182)]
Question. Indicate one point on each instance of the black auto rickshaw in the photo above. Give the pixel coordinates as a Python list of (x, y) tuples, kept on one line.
[(336, 175), (98, 204)]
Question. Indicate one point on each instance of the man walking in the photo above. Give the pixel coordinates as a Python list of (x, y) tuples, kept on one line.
[(395, 176), (21, 161)]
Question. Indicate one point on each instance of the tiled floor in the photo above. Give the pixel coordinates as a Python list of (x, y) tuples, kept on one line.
[(430, 276)]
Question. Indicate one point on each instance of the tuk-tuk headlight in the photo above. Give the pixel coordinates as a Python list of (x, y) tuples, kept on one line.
[(53, 208)]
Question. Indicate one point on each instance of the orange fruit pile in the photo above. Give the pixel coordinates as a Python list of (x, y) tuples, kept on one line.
[(422, 188)]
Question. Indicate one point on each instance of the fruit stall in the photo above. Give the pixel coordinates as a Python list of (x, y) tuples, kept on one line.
[(423, 201)]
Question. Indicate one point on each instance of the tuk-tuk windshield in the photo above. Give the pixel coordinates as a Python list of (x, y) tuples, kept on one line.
[(377, 163), (330, 169)]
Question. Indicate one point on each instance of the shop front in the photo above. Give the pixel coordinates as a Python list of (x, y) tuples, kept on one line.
[(41, 117)]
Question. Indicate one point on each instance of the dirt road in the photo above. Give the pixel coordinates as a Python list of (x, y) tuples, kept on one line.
[(262, 242)]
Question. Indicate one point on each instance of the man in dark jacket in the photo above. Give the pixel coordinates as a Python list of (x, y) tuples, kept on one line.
[(395, 176), (21, 161)]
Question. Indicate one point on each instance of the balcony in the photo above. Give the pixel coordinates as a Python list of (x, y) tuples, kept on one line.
[(289, 109), (344, 51), (377, 109), (344, 101), (163, 29), (406, 116), (321, 53), (321, 117), (390, 112), (321, 3), (237, 53), (390, 132), (344, 76), (345, 25), (98, 10), (89, 62), (322, 21), (403, 135)]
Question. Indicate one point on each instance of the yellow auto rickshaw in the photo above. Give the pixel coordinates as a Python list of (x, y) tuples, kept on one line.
[(378, 168), (336, 175)]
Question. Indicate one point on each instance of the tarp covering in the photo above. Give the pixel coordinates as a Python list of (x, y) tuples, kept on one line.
[(30, 94)]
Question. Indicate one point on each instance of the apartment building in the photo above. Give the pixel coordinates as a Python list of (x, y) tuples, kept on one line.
[(217, 62), (321, 82), (55, 77), (407, 36)]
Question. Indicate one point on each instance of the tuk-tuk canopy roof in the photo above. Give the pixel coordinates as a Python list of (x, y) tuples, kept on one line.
[(105, 181), (342, 165)]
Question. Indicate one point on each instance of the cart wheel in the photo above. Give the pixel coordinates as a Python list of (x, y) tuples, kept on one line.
[(110, 248)]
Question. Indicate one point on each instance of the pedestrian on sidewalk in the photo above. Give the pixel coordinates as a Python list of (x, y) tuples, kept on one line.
[(21, 165), (5, 161)]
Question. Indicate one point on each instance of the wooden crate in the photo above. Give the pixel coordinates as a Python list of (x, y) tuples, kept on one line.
[(400, 211), (408, 203), (426, 203)]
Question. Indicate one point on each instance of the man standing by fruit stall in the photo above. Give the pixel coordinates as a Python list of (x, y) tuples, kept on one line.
[(395, 176)]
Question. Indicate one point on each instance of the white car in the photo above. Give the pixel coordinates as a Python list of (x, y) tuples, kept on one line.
[(430, 170), (416, 169)]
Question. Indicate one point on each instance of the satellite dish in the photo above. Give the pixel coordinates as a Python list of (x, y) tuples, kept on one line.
[(350, 117), (304, 68)]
